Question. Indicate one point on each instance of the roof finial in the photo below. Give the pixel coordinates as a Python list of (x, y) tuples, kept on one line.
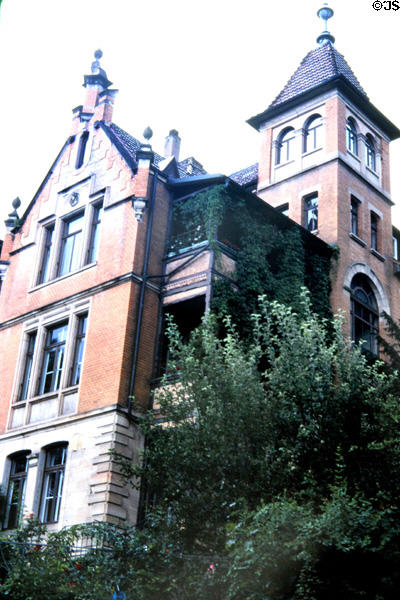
[(325, 13), (96, 63)]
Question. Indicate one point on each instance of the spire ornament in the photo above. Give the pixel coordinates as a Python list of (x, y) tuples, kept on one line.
[(325, 13)]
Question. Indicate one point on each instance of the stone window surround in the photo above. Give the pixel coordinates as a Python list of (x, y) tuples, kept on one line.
[(89, 214), (36, 470), (63, 401), (377, 287)]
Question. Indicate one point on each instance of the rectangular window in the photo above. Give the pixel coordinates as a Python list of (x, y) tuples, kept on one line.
[(283, 209), (70, 254), (354, 216), (53, 359), (311, 212), (396, 246), (28, 366), (16, 491), (79, 348), (44, 273), (53, 483), (94, 232), (374, 231)]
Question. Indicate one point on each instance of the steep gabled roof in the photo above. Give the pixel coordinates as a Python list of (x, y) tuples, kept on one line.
[(319, 66), (128, 145)]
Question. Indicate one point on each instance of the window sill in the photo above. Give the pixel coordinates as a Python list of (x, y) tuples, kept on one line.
[(62, 277), (45, 407), (374, 173), (350, 153), (285, 164), (313, 151), (377, 254), (358, 239)]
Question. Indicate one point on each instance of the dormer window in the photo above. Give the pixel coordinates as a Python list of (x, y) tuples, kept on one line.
[(351, 136), (284, 148), (370, 155), (313, 134), (80, 157)]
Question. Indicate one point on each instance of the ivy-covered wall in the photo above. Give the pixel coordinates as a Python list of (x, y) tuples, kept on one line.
[(274, 256)]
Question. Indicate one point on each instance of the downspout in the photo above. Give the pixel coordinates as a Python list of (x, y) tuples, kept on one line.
[(141, 297)]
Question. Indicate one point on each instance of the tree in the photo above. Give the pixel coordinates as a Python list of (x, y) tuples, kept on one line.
[(272, 470)]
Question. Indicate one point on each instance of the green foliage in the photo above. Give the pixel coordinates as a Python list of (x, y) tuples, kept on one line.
[(270, 261), (312, 438), (345, 548), (275, 466), (202, 212)]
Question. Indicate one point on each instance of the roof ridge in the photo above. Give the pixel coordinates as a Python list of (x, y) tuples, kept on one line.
[(333, 52)]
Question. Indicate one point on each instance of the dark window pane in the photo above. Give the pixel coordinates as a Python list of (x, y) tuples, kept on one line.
[(71, 245), (28, 366), (16, 491), (53, 484), (48, 242), (53, 359), (79, 348), (94, 235)]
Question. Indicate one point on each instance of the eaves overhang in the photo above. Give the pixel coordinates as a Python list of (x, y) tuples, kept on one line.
[(187, 185), (340, 83)]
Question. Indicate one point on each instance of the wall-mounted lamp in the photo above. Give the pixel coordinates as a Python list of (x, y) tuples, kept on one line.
[(139, 206)]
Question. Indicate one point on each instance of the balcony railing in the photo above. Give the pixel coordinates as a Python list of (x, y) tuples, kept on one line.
[(188, 240)]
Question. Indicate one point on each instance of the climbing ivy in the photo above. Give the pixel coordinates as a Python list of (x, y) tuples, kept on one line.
[(270, 260)]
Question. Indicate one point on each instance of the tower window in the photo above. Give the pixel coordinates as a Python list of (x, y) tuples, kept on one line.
[(396, 244), (284, 148), (364, 314), (313, 134), (370, 155), (354, 215), (16, 490), (283, 209), (374, 231), (53, 483), (80, 157), (351, 136), (311, 212)]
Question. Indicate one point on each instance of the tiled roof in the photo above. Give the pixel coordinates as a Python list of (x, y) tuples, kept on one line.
[(190, 166), (246, 176), (320, 65), (128, 146), (131, 144)]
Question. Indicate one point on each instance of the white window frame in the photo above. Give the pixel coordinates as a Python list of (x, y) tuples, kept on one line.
[(59, 223), (63, 400)]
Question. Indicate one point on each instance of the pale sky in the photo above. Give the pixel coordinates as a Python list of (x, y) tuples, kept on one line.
[(202, 68)]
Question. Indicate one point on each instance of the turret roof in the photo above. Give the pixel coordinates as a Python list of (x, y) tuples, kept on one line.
[(319, 66)]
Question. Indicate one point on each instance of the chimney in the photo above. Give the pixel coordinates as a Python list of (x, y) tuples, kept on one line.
[(172, 145)]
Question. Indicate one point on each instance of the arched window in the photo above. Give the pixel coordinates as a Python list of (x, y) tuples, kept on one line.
[(16, 489), (370, 155), (80, 157), (313, 134), (364, 313), (284, 147), (351, 136)]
